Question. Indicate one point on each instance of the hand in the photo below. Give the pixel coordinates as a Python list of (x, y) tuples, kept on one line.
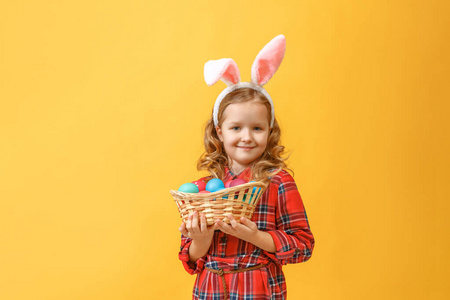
[(200, 233), (246, 231), (249, 232)]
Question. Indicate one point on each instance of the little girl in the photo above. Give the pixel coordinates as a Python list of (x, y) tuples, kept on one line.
[(244, 260)]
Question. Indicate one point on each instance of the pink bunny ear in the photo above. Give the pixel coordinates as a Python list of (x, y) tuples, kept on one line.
[(224, 69), (268, 60)]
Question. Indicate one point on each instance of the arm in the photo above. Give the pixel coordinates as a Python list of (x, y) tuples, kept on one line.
[(248, 231), (195, 242), (200, 234), (293, 239)]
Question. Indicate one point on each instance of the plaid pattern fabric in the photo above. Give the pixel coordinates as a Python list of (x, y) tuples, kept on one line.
[(281, 213)]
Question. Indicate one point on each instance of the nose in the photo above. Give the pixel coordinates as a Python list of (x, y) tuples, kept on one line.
[(246, 136)]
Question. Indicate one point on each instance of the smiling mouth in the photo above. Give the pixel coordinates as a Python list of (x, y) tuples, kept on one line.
[(245, 148)]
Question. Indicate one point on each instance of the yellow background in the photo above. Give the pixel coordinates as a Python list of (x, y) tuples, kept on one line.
[(102, 108)]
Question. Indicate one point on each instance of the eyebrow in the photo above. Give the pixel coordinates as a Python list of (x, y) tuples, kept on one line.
[(259, 124)]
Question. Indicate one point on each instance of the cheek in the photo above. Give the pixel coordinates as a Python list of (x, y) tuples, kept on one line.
[(229, 137), (264, 139)]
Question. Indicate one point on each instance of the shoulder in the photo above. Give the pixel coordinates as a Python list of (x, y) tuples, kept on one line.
[(282, 185), (283, 177)]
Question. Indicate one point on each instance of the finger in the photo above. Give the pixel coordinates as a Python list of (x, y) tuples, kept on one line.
[(224, 227), (203, 225), (219, 224), (182, 226), (249, 224), (189, 223), (233, 222), (195, 228), (183, 230), (215, 226)]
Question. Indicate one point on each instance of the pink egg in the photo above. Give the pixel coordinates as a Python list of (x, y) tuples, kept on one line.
[(204, 192), (237, 181), (227, 184), (200, 184)]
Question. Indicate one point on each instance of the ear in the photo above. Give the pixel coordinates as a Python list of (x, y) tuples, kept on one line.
[(224, 69), (268, 60), (219, 133)]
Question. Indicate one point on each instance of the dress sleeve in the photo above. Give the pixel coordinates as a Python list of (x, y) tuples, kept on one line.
[(293, 238), (183, 255)]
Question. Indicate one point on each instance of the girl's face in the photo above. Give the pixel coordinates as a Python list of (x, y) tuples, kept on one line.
[(244, 133)]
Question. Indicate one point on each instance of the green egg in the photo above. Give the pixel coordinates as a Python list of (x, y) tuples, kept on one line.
[(188, 188)]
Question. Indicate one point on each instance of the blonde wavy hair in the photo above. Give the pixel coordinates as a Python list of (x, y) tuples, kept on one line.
[(214, 159)]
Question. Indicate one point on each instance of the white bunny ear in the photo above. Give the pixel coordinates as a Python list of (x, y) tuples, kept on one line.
[(224, 69), (268, 60)]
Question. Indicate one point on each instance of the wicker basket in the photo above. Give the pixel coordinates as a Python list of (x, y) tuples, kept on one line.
[(239, 200)]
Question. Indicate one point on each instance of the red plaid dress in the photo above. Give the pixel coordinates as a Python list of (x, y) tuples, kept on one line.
[(281, 213)]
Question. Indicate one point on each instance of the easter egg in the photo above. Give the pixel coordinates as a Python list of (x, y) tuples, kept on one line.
[(200, 184), (237, 181), (204, 192), (215, 185), (227, 184), (255, 189), (188, 188)]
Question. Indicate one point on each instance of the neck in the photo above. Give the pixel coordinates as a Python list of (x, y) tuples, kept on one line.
[(236, 170)]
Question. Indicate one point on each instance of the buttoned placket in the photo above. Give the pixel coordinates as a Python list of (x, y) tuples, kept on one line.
[(222, 239)]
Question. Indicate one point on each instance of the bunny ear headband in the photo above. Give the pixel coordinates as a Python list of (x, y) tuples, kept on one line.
[(265, 65)]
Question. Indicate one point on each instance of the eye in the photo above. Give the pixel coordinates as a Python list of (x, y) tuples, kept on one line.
[(257, 128), (235, 128)]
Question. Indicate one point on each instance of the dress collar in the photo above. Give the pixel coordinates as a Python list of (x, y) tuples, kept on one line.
[(246, 174)]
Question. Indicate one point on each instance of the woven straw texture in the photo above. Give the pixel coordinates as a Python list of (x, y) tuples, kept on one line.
[(239, 200)]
